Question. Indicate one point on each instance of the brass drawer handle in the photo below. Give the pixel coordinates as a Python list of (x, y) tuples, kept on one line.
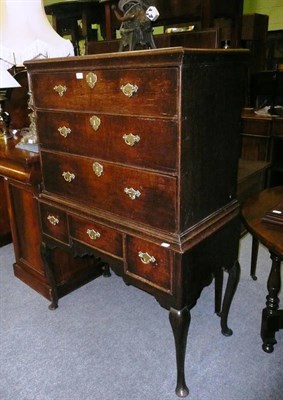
[(131, 139), (64, 131), (129, 89), (93, 235), (91, 79), (95, 122), (53, 220), (132, 193), (60, 89), (97, 168), (68, 176), (146, 258)]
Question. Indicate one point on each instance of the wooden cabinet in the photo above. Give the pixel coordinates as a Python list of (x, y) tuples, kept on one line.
[(216, 22), (5, 231), (204, 39), (204, 13), (276, 158), (262, 140), (256, 134), (274, 49), (252, 178), (75, 19), (267, 89), (254, 38), (139, 155), (22, 173)]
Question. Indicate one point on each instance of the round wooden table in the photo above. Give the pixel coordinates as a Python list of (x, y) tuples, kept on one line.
[(270, 234)]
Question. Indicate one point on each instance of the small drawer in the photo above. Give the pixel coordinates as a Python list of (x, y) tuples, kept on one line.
[(54, 222), (146, 91), (149, 263), (96, 235)]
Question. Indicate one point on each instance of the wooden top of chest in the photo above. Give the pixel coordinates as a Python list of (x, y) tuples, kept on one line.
[(172, 56)]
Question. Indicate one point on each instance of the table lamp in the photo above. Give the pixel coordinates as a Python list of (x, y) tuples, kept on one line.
[(6, 81), (27, 34)]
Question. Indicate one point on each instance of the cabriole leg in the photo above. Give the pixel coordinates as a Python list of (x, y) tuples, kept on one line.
[(233, 280), (45, 254), (218, 285), (180, 321), (106, 270)]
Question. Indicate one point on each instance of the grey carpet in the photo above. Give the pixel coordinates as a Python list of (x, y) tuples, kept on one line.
[(107, 341)]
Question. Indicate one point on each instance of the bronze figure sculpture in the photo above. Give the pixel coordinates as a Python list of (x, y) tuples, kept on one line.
[(135, 29)]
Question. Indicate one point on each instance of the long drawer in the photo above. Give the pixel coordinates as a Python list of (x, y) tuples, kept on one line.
[(133, 140), (152, 92), (138, 195)]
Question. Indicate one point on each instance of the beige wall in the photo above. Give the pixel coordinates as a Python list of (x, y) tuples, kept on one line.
[(272, 8)]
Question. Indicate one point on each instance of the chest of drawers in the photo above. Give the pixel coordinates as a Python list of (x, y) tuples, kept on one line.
[(139, 155)]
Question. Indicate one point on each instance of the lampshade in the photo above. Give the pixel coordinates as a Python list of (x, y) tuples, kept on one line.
[(6, 80), (27, 34)]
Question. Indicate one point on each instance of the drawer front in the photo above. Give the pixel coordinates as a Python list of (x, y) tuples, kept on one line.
[(114, 138), (150, 263), (54, 222), (137, 195), (96, 235), (256, 126), (146, 92)]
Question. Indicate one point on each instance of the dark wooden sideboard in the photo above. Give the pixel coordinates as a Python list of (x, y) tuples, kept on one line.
[(20, 173), (5, 230), (139, 154), (262, 140)]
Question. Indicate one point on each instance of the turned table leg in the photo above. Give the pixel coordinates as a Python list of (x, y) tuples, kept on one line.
[(255, 246), (233, 280), (180, 321), (271, 316)]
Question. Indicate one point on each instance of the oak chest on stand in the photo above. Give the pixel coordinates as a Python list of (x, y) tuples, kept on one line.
[(139, 154)]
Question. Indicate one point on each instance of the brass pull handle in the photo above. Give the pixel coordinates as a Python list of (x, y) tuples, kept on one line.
[(97, 168), (64, 131), (60, 89), (93, 234), (132, 193), (53, 220), (146, 258), (129, 89), (91, 79), (131, 139), (68, 176), (95, 122)]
